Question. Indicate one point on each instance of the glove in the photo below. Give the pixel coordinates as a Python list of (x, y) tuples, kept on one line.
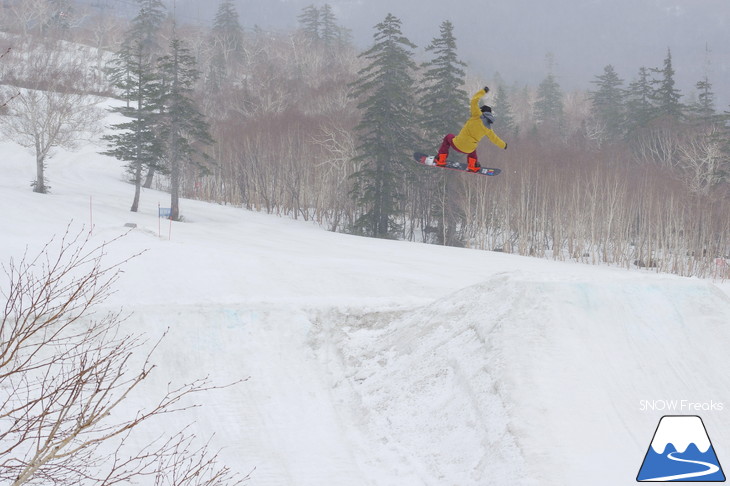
[(505, 145), (486, 89)]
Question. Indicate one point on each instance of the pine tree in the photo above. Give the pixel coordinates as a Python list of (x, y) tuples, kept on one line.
[(444, 103), (227, 29), (639, 108), (503, 111), (724, 125), (145, 27), (704, 109), (227, 40), (119, 71), (183, 127), (329, 30), (310, 23), (549, 104), (443, 97), (137, 143), (608, 102), (711, 131), (319, 26), (666, 97), (388, 129)]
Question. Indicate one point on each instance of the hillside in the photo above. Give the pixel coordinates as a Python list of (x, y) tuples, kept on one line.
[(374, 362)]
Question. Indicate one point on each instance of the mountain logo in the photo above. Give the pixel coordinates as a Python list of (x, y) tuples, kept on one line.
[(681, 451)]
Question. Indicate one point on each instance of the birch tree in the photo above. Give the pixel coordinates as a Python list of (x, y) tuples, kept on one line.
[(56, 114)]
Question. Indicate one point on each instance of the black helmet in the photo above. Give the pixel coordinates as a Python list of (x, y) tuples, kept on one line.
[(486, 109)]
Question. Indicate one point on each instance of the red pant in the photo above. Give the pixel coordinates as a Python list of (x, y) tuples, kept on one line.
[(449, 143)]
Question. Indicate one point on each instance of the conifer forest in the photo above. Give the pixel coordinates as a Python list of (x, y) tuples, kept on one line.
[(629, 171)]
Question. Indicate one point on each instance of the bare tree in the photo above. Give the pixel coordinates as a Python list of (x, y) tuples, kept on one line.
[(105, 34), (11, 96), (596, 132), (30, 15), (658, 145), (55, 111), (334, 169), (703, 160), (65, 375)]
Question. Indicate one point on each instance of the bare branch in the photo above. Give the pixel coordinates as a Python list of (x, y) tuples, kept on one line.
[(65, 373)]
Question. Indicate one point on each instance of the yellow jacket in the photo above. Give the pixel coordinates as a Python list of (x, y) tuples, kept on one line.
[(474, 130)]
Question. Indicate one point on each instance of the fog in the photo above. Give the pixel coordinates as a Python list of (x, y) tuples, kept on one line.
[(514, 37)]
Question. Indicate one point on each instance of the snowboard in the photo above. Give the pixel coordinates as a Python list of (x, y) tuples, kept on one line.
[(425, 159)]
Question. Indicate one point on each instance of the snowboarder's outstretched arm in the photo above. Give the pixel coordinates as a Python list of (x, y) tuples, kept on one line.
[(474, 105), (495, 139), (476, 111)]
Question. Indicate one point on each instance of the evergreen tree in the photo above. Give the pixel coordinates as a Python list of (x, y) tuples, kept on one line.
[(549, 104), (666, 97), (639, 108), (319, 26), (713, 128), (704, 109), (724, 125), (443, 97), (444, 103), (503, 111), (329, 30), (137, 142), (227, 44), (183, 127), (310, 23), (388, 129), (119, 71), (227, 30), (608, 102), (145, 27)]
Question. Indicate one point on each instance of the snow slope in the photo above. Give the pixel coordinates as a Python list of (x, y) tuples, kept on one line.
[(376, 362)]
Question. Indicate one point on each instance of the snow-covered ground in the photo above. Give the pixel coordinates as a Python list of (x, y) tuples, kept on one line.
[(375, 362)]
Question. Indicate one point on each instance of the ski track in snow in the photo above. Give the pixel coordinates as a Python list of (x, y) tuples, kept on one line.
[(382, 363)]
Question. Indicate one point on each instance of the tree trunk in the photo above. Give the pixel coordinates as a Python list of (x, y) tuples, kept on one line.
[(137, 186), (174, 177), (40, 181), (148, 179)]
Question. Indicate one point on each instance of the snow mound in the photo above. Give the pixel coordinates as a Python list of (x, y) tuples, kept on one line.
[(365, 367), (522, 379)]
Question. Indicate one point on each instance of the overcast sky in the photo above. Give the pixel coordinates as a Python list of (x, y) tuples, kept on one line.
[(513, 37)]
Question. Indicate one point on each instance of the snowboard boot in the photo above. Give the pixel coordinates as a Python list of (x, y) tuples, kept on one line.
[(472, 165), (440, 160)]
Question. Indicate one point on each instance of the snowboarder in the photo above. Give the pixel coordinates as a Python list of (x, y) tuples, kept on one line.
[(477, 127)]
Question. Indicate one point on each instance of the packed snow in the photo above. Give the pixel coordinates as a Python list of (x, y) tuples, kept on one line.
[(373, 362)]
